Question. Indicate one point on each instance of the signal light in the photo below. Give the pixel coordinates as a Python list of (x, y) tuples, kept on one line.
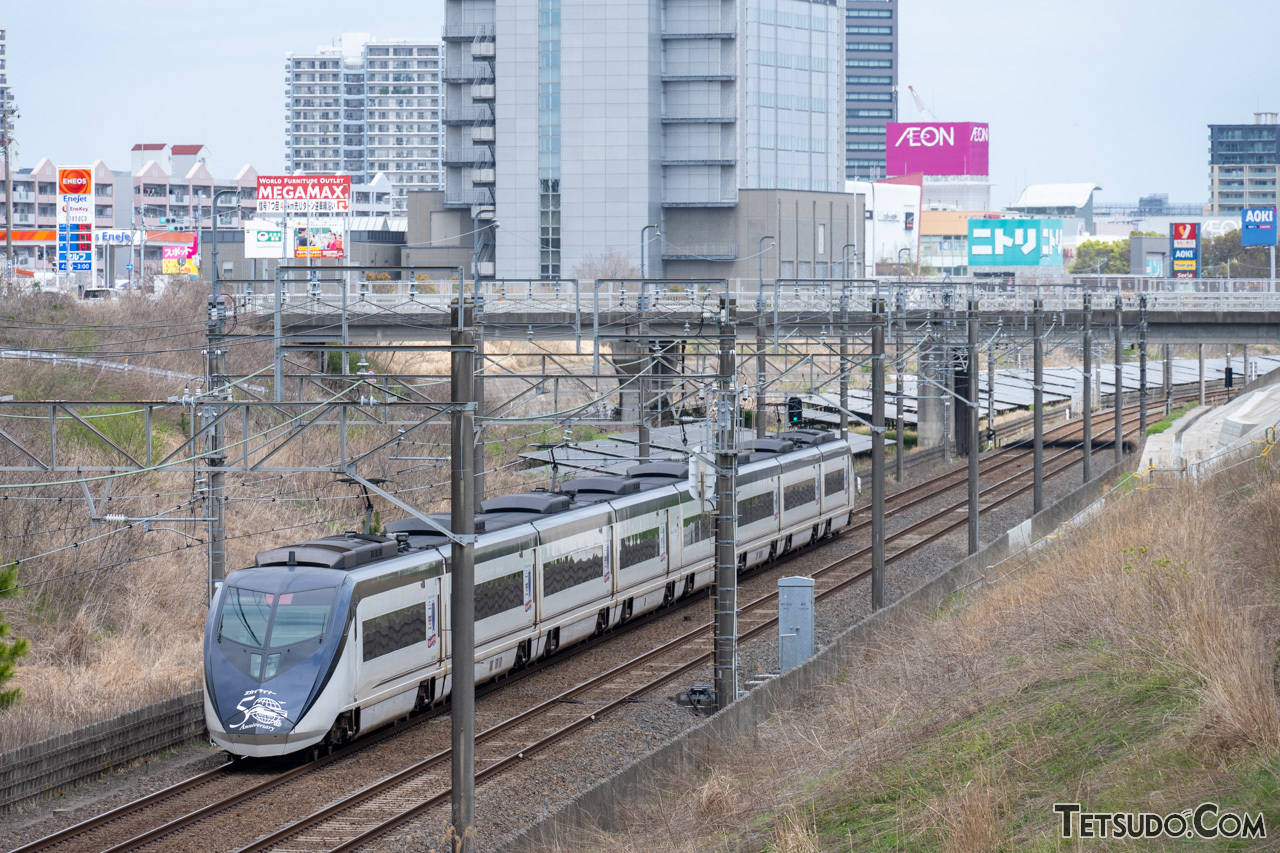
[(795, 410)]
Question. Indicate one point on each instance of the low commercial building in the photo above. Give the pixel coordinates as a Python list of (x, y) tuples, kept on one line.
[(790, 234), (1058, 201)]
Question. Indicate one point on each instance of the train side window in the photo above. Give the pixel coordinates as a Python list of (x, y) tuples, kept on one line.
[(833, 482), (697, 528), (499, 595), (393, 631), (798, 494), (639, 547)]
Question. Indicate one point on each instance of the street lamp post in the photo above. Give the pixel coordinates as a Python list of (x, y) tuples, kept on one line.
[(844, 258), (760, 250), (656, 233)]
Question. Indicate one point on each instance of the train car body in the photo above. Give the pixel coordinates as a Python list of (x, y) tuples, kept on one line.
[(321, 641)]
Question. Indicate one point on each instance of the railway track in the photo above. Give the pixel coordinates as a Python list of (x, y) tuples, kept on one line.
[(412, 792), (392, 800)]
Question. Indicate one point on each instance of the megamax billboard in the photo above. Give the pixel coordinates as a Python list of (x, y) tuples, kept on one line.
[(304, 193), (1258, 226), (959, 148), (1015, 242)]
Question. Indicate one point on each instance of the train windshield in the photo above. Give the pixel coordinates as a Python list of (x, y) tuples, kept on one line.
[(268, 620)]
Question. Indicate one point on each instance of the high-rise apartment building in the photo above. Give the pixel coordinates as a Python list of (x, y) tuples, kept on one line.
[(871, 84), (4, 73), (366, 107), (1242, 164), (579, 124)]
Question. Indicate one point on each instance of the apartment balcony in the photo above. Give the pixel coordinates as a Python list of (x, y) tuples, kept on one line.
[(473, 158), (469, 197), (468, 115), (483, 91), (484, 176), (483, 134), (692, 199), (701, 161), (471, 72), (708, 76), (28, 197), (701, 252), (469, 32), (24, 219), (699, 119), (483, 50), (723, 31)]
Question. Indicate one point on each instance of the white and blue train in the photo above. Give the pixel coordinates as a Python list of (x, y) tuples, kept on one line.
[(325, 640)]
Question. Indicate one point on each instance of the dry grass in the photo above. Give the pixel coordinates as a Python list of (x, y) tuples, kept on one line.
[(1142, 640), (115, 622)]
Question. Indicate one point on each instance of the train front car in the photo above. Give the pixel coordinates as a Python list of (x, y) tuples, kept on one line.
[(274, 640)]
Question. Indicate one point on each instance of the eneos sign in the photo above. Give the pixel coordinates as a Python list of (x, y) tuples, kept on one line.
[(75, 181), (960, 148)]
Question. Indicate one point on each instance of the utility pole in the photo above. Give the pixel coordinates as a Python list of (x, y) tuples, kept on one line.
[(1088, 386), (991, 393), (1200, 358), (1168, 379), (1118, 400), (726, 617), (877, 454), (463, 570), (479, 434), (215, 359), (1037, 384), (973, 410), (761, 423), (899, 457), (278, 337), (761, 419), (844, 362), (6, 139), (1142, 365)]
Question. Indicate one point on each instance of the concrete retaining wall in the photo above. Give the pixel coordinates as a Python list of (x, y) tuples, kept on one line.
[(40, 769), (598, 807)]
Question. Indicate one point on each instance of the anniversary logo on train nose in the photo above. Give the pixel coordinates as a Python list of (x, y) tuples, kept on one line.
[(73, 181)]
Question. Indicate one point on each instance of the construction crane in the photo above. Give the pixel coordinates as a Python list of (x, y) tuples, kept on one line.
[(924, 111)]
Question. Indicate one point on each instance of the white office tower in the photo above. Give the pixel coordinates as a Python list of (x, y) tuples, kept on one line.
[(576, 123), (366, 107)]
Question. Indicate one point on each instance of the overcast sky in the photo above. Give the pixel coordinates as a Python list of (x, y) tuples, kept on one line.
[(1118, 93)]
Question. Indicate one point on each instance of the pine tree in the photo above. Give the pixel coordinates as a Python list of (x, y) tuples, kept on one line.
[(9, 651)]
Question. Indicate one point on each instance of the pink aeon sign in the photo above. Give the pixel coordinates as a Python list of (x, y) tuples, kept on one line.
[(960, 148)]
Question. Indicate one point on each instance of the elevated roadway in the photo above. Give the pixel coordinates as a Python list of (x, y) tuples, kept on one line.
[(569, 310)]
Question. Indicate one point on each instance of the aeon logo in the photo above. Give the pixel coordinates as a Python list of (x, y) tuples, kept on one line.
[(928, 137), (980, 134)]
